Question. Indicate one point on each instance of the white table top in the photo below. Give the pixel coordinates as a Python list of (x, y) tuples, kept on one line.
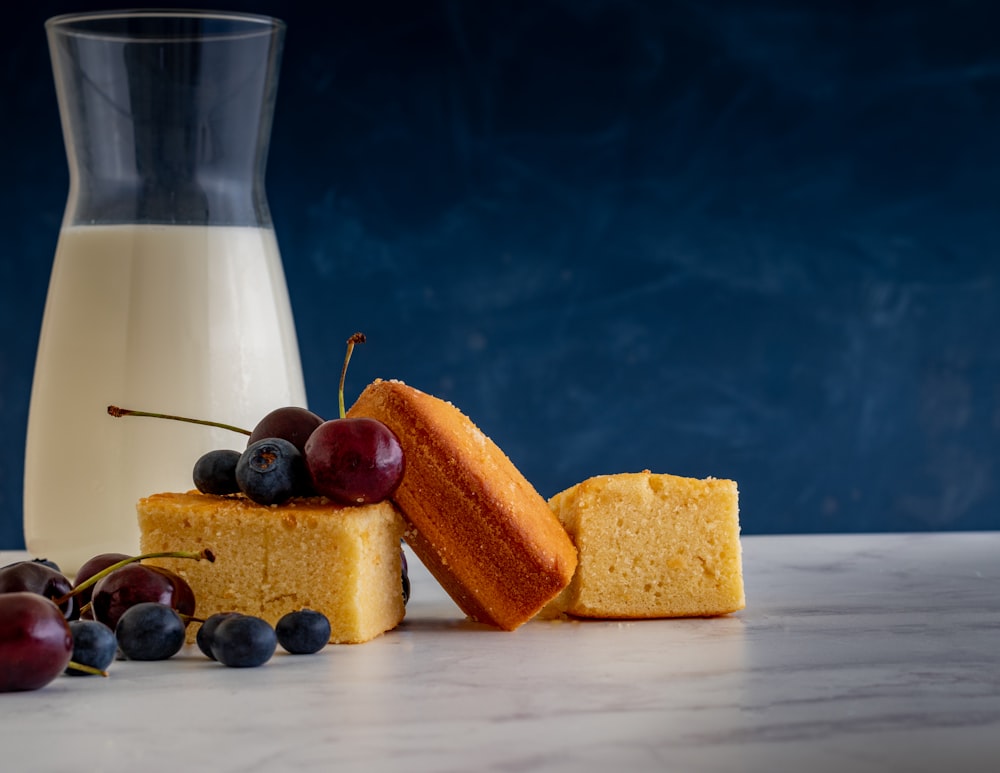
[(855, 653)]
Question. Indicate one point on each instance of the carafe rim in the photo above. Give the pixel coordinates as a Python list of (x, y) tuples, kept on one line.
[(100, 24)]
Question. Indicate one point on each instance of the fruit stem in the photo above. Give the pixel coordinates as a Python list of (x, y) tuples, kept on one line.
[(205, 554), (114, 410), (357, 338), (86, 669)]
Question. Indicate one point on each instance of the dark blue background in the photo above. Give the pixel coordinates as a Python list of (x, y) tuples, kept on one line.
[(753, 239)]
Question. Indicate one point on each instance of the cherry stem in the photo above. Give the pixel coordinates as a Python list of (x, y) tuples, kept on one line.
[(114, 410), (205, 554), (357, 338), (86, 669)]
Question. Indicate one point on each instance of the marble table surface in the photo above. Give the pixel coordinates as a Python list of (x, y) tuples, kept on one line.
[(855, 653)]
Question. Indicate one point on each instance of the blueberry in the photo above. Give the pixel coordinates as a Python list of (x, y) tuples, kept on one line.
[(244, 641), (271, 471), (215, 472), (150, 631), (303, 632), (206, 634), (94, 645)]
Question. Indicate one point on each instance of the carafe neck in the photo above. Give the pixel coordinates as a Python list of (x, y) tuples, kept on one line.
[(166, 118)]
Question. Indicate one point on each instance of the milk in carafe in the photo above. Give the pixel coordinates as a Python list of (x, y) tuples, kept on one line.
[(186, 320)]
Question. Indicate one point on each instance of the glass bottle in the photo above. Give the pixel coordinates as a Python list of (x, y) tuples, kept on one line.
[(167, 291)]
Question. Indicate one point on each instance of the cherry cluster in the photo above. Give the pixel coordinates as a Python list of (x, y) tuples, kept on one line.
[(49, 624), (120, 607), (294, 452)]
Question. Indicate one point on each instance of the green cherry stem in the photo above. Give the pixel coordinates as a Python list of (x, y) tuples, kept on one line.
[(357, 338), (114, 410), (86, 669)]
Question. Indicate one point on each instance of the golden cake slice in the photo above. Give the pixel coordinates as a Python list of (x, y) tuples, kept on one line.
[(472, 518), (652, 546), (307, 553)]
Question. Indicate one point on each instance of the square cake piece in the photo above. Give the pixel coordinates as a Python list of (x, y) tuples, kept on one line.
[(652, 545), (307, 553)]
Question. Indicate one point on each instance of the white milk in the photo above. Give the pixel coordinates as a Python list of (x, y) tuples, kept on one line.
[(186, 320)]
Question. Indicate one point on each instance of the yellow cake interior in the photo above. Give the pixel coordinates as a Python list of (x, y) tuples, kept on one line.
[(308, 553), (652, 545)]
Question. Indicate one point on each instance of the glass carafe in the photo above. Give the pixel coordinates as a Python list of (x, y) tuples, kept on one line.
[(167, 291)]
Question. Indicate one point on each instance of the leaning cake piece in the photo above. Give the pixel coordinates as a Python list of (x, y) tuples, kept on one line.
[(471, 517), (307, 553), (652, 546)]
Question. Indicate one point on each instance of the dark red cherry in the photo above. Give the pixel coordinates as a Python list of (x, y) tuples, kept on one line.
[(354, 461), (36, 577), (290, 423), (36, 643), (91, 567), (136, 583)]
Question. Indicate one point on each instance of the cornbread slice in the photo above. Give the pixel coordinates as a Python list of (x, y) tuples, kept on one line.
[(473, 520), (652, 546), (308, 553)]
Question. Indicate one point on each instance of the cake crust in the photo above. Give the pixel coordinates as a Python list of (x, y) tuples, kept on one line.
[(472, 518), (308, 553)]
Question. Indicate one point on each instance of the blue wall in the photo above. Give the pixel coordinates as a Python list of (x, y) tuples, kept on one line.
[(755, 240)]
